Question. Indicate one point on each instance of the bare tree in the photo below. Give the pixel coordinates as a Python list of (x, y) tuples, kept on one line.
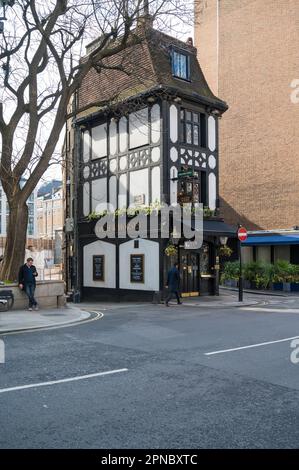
[(40, 53)]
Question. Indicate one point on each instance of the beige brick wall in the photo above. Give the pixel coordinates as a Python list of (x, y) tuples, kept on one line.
[(257, 60)]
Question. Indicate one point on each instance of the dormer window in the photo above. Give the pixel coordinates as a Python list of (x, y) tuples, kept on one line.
[(180, 65)]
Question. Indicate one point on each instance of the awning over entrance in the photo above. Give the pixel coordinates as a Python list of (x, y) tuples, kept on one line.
[(216, 228), (272, 239), (219, 228)]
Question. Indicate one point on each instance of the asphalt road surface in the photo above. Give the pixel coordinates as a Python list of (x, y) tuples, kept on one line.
[(182, 377)]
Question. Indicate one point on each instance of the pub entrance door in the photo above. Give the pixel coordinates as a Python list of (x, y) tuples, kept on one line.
[(189, 269)]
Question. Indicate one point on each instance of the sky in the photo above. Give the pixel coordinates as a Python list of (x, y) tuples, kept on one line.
[(179, 29)]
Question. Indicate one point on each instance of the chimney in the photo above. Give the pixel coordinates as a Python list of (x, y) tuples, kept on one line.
[(145, 20), (189, 41)]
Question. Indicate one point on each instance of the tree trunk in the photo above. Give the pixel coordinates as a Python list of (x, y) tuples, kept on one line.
[(14, 253)]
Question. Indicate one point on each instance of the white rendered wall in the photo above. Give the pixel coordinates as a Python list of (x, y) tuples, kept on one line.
[(99, 141), (150, 250), (155, 123), (86, 146), (212, 133), (86, 200), (173, 185), (99, 194), (138, 185), (139, 128), (122, 191), (156, 184), (173, 117), (212, 191), (112, 192), (113, 137), (99, 248)]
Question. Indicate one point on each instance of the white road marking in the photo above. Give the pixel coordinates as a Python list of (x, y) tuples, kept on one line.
[(54, 382), (250, 346), (278, 310)]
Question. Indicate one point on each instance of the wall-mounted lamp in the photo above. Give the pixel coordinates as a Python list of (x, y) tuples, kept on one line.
[(177, 99), (223, 240)]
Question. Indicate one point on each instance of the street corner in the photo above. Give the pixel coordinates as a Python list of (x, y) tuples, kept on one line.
[(24, 321)]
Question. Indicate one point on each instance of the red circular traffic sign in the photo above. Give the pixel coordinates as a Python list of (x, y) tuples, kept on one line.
[(242, 234)]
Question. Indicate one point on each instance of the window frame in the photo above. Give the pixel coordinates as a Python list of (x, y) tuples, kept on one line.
[(185, 54), (201, 140)]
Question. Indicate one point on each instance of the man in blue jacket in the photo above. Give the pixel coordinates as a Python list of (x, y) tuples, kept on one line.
[(173, 283), (27, 275)]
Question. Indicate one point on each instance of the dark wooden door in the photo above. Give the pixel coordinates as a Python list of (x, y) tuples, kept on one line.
[(189, 268)]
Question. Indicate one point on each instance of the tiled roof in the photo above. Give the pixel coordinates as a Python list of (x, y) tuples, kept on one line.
[(145, 65)]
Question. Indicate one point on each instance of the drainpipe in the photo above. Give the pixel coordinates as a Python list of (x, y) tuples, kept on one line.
[(76, 160)]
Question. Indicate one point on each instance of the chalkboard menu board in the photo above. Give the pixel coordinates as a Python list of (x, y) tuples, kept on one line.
[(137, 268), (98, 267)]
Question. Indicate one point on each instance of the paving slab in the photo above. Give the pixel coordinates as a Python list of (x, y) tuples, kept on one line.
[(19, 320)]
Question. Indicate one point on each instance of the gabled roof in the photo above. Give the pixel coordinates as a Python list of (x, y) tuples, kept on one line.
[(142, 68)]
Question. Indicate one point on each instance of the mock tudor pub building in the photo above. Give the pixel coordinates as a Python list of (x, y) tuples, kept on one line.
[(156, 143)]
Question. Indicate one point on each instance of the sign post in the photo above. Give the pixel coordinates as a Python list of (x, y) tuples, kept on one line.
[(242, 235)]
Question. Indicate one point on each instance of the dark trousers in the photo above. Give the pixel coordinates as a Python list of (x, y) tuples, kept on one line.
[(30, 289), (170, 295)]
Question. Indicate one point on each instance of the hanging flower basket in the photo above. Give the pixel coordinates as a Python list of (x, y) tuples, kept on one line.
[(225, 251), (171, 250)]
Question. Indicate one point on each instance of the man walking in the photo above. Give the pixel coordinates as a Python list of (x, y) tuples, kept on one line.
[(173, 283), (27, 275)]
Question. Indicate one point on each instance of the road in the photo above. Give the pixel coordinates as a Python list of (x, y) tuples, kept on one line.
[(182, 377)]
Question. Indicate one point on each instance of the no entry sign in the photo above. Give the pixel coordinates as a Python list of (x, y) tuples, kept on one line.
[(242, 234)]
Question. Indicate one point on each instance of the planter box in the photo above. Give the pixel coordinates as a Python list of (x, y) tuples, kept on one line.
[(231, 283), (287, 287), (277, 285)]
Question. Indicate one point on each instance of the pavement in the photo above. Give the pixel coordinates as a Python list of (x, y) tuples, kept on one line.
[(261, 292), (23, 320)]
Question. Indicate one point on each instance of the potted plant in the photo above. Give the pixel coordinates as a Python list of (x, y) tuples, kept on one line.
[(230, 274), (280, 274), (292, 279)]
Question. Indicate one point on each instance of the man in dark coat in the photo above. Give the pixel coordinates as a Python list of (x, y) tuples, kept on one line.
[(27, 275), (173, 283)]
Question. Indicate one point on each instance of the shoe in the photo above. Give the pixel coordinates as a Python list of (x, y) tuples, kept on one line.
[(30, 309), (180, 303), (166, 305), (36, 307)]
